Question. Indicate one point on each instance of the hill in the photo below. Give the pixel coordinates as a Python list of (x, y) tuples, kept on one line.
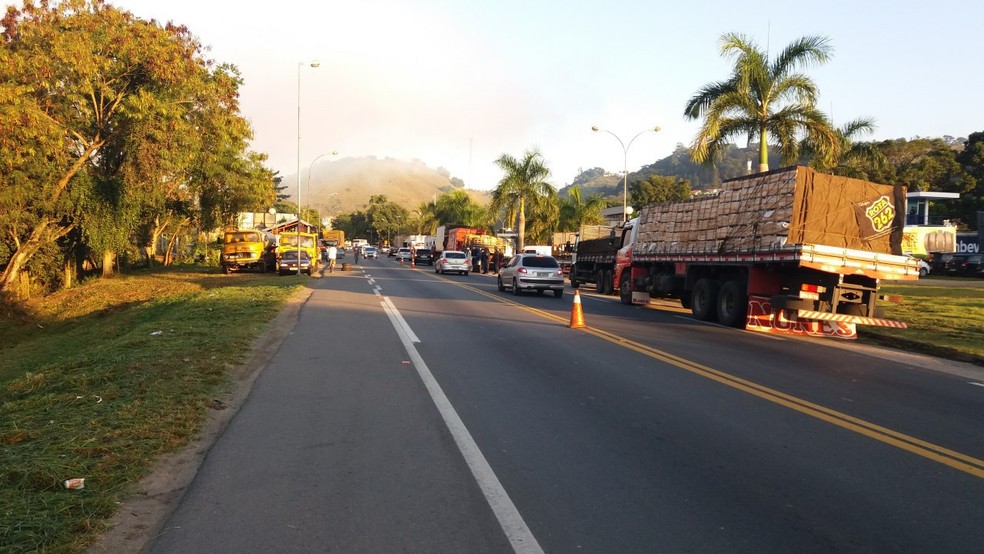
[(345, 185)]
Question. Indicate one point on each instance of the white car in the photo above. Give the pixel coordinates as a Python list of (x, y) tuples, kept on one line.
[(403, 254), (532, 272), (924, 268), (370, 252), (452, 260)]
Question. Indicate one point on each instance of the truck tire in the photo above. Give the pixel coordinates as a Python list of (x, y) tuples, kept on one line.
[(609, 282), (703, 301), (732, 304), (574, 282), (600, 281), (625, 288)]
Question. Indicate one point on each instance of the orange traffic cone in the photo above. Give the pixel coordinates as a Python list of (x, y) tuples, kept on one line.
[(412, 265), (577, 316)]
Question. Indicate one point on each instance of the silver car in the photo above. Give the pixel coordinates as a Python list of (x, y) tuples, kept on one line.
[(452, 260), (532, 272)]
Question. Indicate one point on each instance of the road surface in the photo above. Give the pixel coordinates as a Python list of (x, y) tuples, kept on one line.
[(411, 412)]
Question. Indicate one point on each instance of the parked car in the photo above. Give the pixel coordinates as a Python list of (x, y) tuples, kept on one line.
[(963, 264), (403, 254), (452, 260), (423, 256), (370, 252), (386, 250), (924, 268), (937, 262), (532, 272), (288, 262)]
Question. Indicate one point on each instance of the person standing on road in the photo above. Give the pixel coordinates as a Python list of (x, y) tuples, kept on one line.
[(357, 250), (485, 260), (476, 254), (332, 253), (496, 260)]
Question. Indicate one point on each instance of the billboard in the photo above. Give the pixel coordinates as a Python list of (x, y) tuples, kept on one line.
[(920, 240)]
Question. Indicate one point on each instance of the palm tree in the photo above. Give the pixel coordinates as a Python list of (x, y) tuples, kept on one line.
[(524, 182), (576, 211), (853, 157), (764, 100)]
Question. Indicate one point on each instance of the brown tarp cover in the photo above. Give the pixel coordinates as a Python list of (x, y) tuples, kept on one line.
[(848, 213)]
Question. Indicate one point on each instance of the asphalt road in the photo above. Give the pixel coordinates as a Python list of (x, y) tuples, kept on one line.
[(410, 412)]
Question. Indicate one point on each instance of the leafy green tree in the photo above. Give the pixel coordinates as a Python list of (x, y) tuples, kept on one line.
[(385, 217), (658, 189), (456, 207), (763, 100), (105, 110), (576, 210), (523, 187), (971, 158)]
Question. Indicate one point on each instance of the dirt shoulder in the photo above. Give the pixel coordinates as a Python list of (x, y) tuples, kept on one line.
[(141, 517)]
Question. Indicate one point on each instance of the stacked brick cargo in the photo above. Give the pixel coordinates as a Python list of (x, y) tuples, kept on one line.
[(751, 214)]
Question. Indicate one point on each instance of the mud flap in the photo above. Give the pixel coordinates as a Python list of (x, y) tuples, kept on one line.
[(762, 319)]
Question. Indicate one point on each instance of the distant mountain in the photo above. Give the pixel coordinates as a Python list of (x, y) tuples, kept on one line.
[(345, 185)]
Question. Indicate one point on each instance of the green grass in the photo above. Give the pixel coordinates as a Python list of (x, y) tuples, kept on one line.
[(97, 381), (943, 321)]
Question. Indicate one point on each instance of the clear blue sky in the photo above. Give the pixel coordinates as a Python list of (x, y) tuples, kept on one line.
[(456, 83)]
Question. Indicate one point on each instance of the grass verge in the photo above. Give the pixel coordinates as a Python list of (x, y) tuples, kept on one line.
[(99, 380), (943, 321)]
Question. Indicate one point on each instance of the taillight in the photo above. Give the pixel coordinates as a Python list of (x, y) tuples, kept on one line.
[(811, 292), (521, 270)]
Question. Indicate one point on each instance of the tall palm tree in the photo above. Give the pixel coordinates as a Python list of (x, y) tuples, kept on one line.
[(763, 99), (524, 182), (575, 210)]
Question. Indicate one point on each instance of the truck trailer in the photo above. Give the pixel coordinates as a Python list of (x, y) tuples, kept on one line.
[(593, 258), (788, 250)]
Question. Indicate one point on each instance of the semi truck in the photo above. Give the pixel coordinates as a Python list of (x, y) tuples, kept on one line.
[(791, 250), (248, 249), (593, 258)]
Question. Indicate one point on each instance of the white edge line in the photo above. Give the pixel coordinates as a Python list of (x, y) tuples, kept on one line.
[(512, 523), (399, 317), (975, 384)]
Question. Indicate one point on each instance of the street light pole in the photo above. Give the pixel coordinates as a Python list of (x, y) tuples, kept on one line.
[(300, 65), (625, 164)]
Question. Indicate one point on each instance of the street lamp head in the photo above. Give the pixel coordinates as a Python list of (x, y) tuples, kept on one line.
[(595, 128), (657, 129), (315, 63)]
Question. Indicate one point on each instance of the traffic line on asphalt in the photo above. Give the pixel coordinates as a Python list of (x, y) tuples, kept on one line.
[(975, 384), (512, 523), (956, 460), (397, 319)]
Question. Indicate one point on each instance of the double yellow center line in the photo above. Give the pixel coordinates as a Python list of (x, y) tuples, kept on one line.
[(928, 450)]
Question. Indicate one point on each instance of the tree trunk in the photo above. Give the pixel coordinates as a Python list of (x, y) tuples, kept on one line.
[(44, 232), (68, 271), (109, 258), (521, 228), (763, 150)]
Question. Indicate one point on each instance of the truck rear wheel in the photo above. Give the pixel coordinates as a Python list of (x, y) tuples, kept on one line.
[(703, 301), (574, 282), (600, 281), (732, 304), (609, 282), (625, 288)]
